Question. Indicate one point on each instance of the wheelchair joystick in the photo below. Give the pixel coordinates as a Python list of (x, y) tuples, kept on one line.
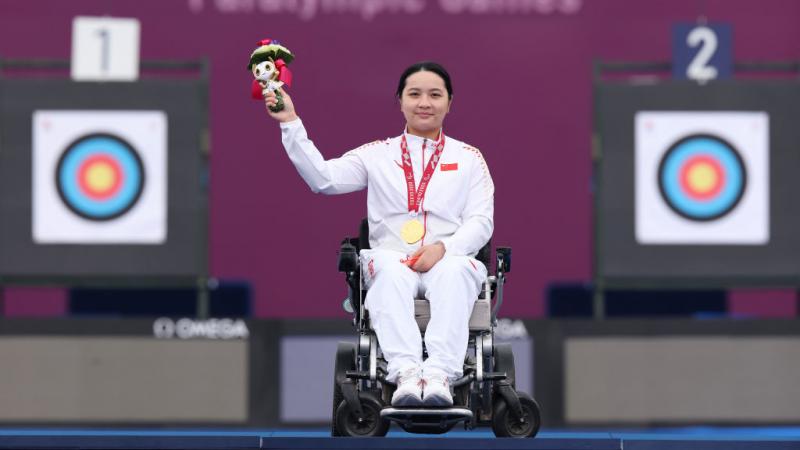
[(348, 257)]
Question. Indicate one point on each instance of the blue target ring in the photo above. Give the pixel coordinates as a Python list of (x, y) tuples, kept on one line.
[(718, 193), (100, 176)]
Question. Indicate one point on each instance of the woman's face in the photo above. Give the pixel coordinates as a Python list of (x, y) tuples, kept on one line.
[(424, 103)]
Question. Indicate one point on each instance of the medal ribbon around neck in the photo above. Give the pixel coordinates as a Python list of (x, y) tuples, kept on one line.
[(415, 196)]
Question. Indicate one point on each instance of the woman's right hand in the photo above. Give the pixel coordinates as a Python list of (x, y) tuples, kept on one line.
[(287, 114)]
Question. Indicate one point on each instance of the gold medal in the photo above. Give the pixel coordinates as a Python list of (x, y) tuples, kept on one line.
[(412, 231)]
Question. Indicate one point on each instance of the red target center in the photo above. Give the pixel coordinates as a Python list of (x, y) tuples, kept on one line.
[(702, 177), (100, 177)]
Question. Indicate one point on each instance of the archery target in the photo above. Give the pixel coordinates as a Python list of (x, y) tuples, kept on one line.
[(99, 177), (702, 177)]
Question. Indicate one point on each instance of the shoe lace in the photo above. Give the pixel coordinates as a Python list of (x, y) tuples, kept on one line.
[(409, 376), (438, 379)]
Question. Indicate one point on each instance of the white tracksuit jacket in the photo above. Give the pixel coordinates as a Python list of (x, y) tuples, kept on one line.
[(458, 208)]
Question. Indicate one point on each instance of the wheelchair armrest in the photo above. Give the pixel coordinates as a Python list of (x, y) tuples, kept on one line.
[(348, 257), (503, 267), (504, 259)]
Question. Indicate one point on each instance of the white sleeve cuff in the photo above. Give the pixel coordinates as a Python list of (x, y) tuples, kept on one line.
[(447, 242), (291, 124)]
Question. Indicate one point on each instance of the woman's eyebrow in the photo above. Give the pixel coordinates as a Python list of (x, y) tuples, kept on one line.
[(417, 89)]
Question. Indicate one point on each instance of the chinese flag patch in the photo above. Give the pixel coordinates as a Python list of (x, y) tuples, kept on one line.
[(446, 167)]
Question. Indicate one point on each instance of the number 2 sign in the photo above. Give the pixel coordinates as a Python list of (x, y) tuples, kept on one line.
[(105, 49), (702, 52)]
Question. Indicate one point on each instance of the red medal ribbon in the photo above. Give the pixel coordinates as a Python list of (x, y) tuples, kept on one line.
[(415, 196)]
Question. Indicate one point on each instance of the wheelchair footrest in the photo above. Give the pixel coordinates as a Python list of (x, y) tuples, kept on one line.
[(434, 417)]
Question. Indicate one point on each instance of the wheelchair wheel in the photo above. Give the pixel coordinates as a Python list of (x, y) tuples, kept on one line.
[(506, 424), (504, 362), (368, 424), (345, 360)]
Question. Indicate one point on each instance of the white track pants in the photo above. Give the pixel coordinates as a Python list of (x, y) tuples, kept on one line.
[(451, 287)]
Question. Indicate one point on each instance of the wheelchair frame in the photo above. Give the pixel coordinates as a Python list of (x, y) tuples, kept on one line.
[(484, 395)]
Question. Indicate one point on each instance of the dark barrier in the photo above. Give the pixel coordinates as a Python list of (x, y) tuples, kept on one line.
[(225, 299)]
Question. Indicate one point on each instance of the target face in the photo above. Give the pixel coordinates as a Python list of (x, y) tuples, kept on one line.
[(702, 177), (99, 177)]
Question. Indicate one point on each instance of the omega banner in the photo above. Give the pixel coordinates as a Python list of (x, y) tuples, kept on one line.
[(100, 180), (697, 183)]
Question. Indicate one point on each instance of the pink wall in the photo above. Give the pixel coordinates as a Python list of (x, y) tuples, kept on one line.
[(34, 302), (763, 303), (522, 95)]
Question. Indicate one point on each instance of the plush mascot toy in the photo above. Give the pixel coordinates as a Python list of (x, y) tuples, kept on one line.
[(268, 63)]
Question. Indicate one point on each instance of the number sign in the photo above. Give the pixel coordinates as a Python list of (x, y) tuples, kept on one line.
[(702, 52), (105, 49)]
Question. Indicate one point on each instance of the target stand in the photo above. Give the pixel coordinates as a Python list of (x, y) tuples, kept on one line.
[(104, 184), (695, 182)]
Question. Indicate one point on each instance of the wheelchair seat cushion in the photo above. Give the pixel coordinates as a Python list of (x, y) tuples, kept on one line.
[(480, 320)]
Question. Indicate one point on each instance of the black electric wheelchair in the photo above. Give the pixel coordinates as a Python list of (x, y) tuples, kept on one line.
[(485, 395)]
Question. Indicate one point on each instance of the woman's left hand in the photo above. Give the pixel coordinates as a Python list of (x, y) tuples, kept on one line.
[(427, 256)]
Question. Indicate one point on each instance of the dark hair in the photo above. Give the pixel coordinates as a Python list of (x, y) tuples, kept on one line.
[(430, 66)]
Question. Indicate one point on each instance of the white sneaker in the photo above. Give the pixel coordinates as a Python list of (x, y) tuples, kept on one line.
[(409, 388), (437, 390)]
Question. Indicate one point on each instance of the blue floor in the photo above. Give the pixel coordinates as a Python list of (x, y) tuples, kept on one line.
[(696, 432), (686, 438)]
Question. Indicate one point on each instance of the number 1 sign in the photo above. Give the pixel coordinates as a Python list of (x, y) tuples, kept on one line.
[(105, 49), (702, 52)]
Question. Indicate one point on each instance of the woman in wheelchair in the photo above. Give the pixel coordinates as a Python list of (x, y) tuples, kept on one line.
[(430, 209)]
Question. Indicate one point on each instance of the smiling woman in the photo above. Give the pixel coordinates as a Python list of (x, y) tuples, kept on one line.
[(425, 228), (425, 93)]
